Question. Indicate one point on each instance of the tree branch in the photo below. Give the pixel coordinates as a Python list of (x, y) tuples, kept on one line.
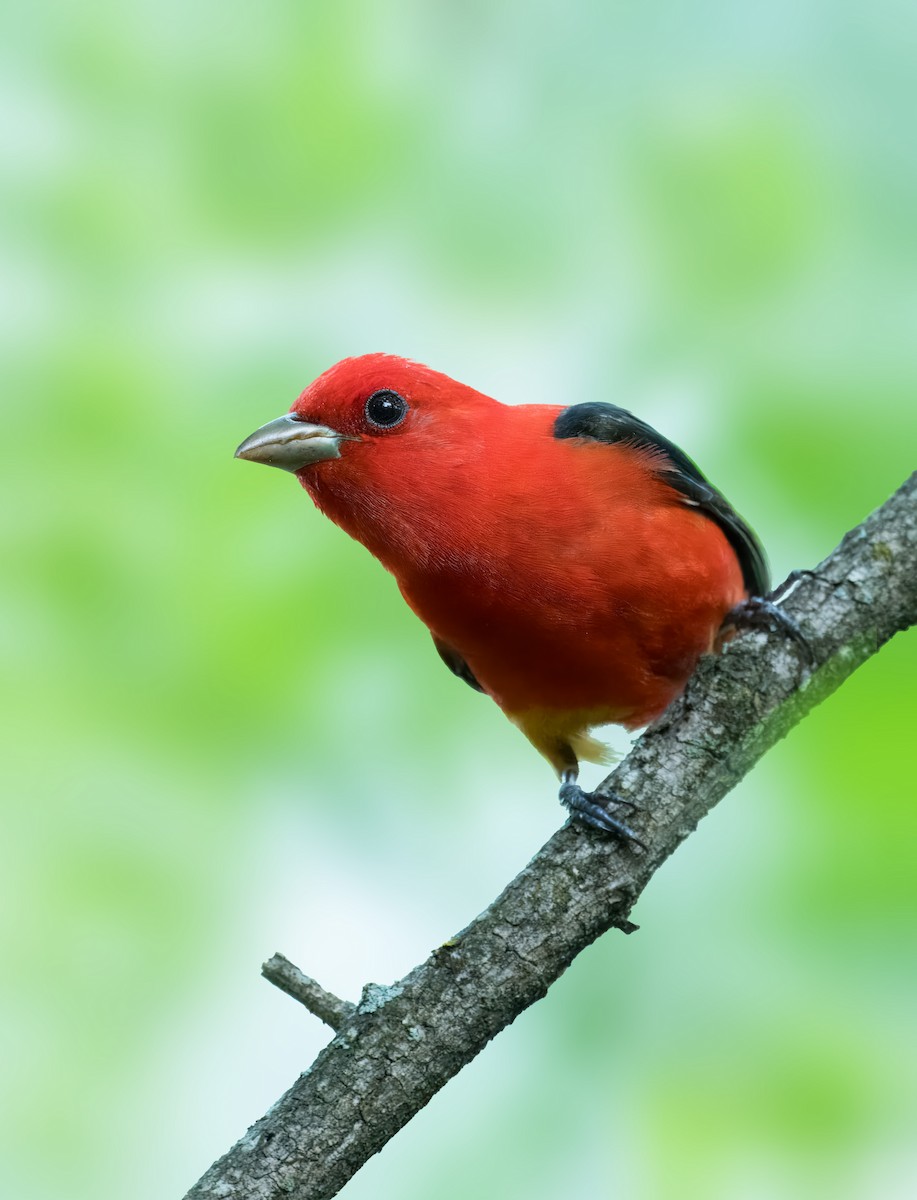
[(324, 1005), (405, 1041)]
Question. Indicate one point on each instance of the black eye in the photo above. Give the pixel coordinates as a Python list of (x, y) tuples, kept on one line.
[(385, 409)]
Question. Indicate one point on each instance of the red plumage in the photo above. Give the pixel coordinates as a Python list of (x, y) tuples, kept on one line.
[(575, 583)]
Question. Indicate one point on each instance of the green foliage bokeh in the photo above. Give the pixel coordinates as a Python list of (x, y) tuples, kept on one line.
[(224, 734)]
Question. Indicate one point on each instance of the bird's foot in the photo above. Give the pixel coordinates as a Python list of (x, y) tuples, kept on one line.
[(761, 612), (591, 810), (782, 590)]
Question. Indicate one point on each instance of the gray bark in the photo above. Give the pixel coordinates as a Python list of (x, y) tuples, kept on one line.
[(405, 1041), (288, 977)]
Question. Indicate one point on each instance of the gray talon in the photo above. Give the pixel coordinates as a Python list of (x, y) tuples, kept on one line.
[(760, 612), (583, 807)]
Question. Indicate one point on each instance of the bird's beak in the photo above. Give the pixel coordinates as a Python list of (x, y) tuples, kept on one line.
[(291, 444)]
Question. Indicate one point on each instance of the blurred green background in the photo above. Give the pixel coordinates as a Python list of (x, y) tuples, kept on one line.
[(224, 734)]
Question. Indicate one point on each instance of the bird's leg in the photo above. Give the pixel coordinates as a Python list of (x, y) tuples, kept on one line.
[(761, 612), (593, 811)]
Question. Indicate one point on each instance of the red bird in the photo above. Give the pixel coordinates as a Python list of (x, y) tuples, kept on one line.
[(572, 563)]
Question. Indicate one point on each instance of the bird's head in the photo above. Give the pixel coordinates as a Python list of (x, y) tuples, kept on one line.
[(356, 407), (391, 451)]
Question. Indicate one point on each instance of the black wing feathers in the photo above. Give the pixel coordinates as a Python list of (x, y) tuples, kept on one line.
[(456, 663), (607, 423)]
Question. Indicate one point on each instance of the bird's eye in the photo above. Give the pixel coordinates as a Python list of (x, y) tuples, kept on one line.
[(385, 409)]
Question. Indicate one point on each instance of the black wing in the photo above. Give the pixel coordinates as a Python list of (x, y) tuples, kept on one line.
[(456, 663), (608, 423)]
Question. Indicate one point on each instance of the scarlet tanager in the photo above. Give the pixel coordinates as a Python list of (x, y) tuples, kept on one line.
[(570, 562)]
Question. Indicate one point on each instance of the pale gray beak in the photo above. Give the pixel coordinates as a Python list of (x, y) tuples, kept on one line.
[(290, 444)]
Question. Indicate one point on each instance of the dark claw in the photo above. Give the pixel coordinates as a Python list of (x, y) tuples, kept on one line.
[(616, 801), (760, 612), (584, 808), (783, 589)]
